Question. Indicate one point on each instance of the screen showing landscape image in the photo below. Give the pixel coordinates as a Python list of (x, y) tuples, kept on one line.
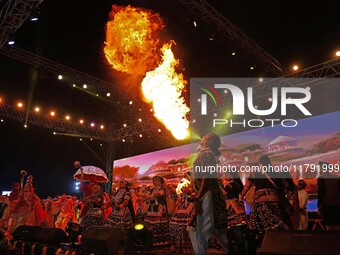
[(314, 139)]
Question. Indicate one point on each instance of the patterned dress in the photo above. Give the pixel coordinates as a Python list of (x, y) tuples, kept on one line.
[(267, 212), (94, 215), (179, 223), (121, 218), (156, 219)]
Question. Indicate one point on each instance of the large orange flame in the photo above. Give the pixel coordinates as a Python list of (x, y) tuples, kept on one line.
[(163, 88), (133, 46), (132, 39)]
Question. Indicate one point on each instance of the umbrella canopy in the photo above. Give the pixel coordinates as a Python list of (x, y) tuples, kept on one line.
[(91, 174)]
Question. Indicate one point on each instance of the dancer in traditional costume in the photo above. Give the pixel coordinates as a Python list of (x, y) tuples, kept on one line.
[(183, 216), (94, 215), (122, 214), (210, 203), (156, 218)]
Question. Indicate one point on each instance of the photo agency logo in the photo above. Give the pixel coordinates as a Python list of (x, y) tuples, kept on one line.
[(215, 96)]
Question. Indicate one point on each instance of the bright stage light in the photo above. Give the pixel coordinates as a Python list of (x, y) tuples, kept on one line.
[(138, 226), (74, 85), (80, 139), (52, 113), (84, 86), (20, 105), (295, 67), (37, 109), (195, 24), (81, 121), (233, 54), (140, 135), (92, 124), (108, 94), (123, 140), (337, 53), (251, 68), (11, 42), (67, 117), (25, 126), (60, 77), (130, 102), (97, 95), (140, 120), (101, 126), (124, 125), (159, 130), (261, 79), (54, 133), (2, 120)]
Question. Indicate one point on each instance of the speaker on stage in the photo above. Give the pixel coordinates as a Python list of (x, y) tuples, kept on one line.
[(26, 233), (139, 240), (103, 240), (52, 236), (295, 242)]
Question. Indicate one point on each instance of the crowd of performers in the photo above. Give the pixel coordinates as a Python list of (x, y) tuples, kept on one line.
[(186, 217)]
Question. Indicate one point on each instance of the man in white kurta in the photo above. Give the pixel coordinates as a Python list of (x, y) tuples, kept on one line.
[(303, 199)]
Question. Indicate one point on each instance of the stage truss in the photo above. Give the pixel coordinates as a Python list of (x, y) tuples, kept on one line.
[(223, 26)]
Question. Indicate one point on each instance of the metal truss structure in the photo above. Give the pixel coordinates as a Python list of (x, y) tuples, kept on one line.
[(13, 15), (221, 24), (56, 68), (310, 77), (53, 123)]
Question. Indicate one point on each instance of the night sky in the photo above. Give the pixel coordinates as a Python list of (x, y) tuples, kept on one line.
[(72, 33)]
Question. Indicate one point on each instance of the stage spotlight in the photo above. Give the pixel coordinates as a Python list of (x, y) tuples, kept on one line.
[(130, 102), (84, 86), (140, 120), (81, 121), (52, 113), (35, 14), (195, 24), (159, 130), (124, 125), (25, 126), (139, 239), (20, 105), (295, 67), (140, 135), (108, 94), (261, 79), (138, 226), (101, 126), (337, 53), (233, 53), (60, 77), (123, 140), (92, 124), (37, 109), (11, 40), (67, 117), (74, 85), (251, 68)]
